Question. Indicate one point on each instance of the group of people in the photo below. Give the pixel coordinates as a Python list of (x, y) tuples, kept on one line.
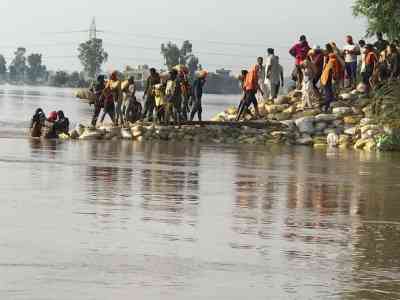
[(328, 71), (49, 127), (117, 100), (265, 80), (168, 97), (321, 73), (172, 96)]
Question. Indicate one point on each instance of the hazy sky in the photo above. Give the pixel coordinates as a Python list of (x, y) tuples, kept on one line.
[(225, 33)]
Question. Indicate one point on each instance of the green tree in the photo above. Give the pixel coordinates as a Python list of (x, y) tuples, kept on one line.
[(74, 79), (77, 80), (382, 16), (36, 70), (186, 49), (92, 55), (173, 55), (59, 79), (3, 67), (18, 66)]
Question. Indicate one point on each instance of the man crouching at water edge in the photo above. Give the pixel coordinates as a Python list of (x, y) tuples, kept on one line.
[(251, 87), (55, 125), (37, 122), (42, 127)]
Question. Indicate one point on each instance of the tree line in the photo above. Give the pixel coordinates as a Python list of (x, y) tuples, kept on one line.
[(29, 69), (382, 16)]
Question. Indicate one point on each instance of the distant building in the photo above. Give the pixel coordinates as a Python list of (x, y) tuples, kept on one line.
[(224, 73), (140, 73)]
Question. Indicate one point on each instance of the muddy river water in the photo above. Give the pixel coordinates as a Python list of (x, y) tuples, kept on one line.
[(122, 220)]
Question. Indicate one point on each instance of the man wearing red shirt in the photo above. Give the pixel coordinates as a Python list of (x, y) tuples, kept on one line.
[(299, 51)]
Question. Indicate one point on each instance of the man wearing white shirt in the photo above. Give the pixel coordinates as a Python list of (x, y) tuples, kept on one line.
[(351, 51), (261, 76)]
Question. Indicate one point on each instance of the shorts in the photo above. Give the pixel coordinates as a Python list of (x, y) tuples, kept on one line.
[(250, 98)]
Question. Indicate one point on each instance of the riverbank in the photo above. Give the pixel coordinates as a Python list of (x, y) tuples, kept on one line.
[(364, 122), (355, 121)]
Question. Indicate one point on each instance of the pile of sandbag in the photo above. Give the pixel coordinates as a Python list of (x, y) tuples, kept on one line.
[(85, 95)]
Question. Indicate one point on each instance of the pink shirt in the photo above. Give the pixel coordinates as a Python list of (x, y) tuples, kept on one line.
[(300, 51)]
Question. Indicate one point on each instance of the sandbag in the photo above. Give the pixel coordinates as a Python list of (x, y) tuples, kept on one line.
[(74, 134), (63, 136), (125, 85), (165, 76), (171, 87), (137, 131), (159, 95), (181, 69), (85, 94), (80, 129), (92, 134), (202, 73), (332, 139), (126, 134)]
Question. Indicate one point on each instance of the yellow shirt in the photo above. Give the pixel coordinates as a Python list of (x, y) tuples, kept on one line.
[(159, 95), (116, 90)]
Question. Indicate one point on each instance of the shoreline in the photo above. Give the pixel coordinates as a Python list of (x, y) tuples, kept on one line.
[(352, 123)]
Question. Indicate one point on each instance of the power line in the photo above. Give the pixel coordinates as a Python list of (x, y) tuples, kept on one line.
[(92, 31), (158, 37), (169, 38), (37, 45), (107, 43), (196, 52)]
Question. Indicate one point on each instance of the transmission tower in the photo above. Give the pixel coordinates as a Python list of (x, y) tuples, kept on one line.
[(93, 30)]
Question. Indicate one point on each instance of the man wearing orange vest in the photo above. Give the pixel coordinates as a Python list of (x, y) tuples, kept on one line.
[(251, 87)]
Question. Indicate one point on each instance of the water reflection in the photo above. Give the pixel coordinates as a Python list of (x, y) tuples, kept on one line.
[(163, 179), (170, 188), (321, 217), (376, 271), (301, 223)]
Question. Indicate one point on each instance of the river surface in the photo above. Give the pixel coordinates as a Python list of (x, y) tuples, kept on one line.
[(123, 220)]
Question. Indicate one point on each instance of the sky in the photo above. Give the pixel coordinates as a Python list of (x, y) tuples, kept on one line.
[(225, 33)]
